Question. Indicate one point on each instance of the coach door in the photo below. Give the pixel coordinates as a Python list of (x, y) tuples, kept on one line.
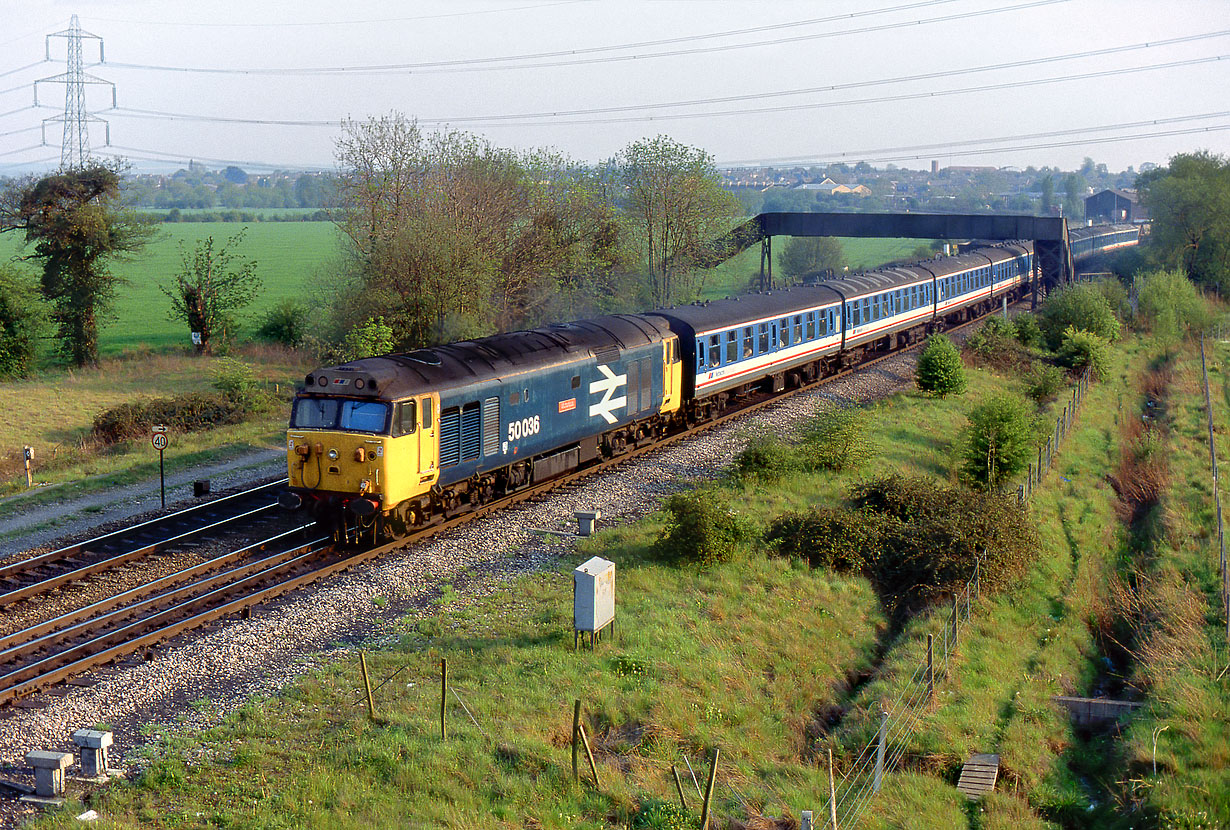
[(429, 434)]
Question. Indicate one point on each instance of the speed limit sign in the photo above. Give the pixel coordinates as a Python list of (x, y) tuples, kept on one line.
[(159, 440)]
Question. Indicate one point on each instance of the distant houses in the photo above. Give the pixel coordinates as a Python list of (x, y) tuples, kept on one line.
[(830, 187)]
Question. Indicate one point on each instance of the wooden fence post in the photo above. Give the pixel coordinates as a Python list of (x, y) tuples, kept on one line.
[(593, 768), (443, 697), (704, 810), (679, 788), (930, 672), (832, 793), (367, 686)]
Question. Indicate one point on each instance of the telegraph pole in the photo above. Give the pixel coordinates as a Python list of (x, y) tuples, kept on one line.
[(75, 150)]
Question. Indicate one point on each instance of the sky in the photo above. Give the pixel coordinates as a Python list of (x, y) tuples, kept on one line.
[(774, 82)]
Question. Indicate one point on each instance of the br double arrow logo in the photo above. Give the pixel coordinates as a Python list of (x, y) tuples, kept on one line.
[(607, 386)]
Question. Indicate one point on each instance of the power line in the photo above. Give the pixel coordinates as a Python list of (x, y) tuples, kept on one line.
[(21, 68), (877, 153), (174, 157), (286, 24), (509, 120), (486, 64)]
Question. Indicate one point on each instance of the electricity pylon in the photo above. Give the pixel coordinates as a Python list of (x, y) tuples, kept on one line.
[(75, 150)]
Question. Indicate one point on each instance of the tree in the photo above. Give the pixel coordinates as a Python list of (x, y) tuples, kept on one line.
[(21, 319), (999, 440), (676, 204), (810, 255), (453, 236), (1189, 202), (77, 224), (1048, 194), (211, 286), (940, 371)]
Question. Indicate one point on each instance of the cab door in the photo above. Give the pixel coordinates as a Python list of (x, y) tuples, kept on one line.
[(429, 436)]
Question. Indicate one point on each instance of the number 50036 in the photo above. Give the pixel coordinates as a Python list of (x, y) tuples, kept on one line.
[(523, 428)]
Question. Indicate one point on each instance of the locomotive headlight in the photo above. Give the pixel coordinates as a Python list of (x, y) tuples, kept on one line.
[(333, 455)]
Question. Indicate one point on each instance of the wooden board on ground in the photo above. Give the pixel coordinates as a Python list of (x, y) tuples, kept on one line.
[(978, 776)]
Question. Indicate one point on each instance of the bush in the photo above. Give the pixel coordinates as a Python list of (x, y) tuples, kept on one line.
[(286, 323), (1043, 382), (835, 440), (21, 323), (183, 413), (1028, 332), (940, 371), (655, 814), (765, 458), (992, 338), (1116, 295), (237, 382), (829, 537), (999, 440), (1081, 350), (1171, 305), (701, 527), (1080, 306), (915, 539)]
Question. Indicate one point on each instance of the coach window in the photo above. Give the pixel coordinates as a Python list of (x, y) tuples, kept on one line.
[(715, 350), (700, 354), (732, 346), (867, 318), (763, 345), (811, 325), (783, 333), (747, 342)]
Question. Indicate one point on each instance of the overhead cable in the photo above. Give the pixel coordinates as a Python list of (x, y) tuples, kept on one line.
[(504, 62)]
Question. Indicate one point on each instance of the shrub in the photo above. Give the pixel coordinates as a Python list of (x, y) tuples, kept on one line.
[(765, 458), (1116, 295), (286, 323), (655, 814), (1043, 382), (1171, 305), (1080, 306), (184, 413), (915, 539), (702, 527), (999, 440), (828, 537), (238, 383), (21, 323), (940, 371), (992, 337), (835, 440), (1084, 350), (1028, 332)]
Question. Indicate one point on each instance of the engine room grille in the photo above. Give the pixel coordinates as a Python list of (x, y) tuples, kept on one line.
[(450, 436), (471, 431), (491, 426)]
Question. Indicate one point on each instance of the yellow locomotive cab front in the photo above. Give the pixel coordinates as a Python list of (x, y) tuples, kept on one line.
[(370, 456)]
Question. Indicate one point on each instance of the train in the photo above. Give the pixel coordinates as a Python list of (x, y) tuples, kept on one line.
[(393, 443)]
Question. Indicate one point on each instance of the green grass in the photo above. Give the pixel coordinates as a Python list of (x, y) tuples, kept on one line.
[(288, 256), (54, 412)]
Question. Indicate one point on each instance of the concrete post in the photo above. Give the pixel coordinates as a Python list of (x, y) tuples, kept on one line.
[(93, 745), (49, 772), (586, 519), (875, 785)]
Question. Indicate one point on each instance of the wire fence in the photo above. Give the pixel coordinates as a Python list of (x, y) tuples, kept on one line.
[(1221, 535), (1046, 451)]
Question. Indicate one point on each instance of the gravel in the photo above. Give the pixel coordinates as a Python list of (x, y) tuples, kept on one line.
[(196, 681)]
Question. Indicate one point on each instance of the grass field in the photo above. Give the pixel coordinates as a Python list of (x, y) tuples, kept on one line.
[(288, 256), (291, 256)]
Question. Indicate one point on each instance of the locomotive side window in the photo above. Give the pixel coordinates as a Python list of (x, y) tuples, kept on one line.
[(427, 413), (514, 399), (406, 420), (715, 350), (576, 379), (732, 346)]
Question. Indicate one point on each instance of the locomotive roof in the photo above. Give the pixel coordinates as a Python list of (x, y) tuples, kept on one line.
[(488, 358), (735, 311)]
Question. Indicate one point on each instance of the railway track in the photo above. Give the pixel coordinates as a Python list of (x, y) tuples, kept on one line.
[(26, 579), (137, 620)]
